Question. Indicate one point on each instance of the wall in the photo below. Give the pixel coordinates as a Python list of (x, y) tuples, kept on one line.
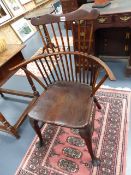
[(6, 30), (31, 48)]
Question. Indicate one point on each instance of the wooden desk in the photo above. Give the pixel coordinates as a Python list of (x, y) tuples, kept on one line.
[(11, 57), (112, 31), (8, 59)]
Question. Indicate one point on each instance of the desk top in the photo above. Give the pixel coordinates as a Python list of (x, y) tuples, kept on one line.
[(39, 12), (12, 49), (116, 6)]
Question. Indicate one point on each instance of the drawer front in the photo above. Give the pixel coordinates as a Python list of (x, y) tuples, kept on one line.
[(123, 18), (104, 20), (113, 41)]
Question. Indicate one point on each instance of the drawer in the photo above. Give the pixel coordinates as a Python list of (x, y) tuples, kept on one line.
[(104, 19), (123, 18), (112, 41)]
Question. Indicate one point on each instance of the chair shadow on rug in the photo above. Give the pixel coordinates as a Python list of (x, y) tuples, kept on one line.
[(70, 80)]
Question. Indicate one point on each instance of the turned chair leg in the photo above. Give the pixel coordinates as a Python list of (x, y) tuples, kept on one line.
[(86, 134), (97, 103), (35, 126)]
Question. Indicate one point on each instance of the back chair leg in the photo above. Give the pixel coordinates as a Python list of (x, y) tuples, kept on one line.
[(35, 126), (97, 103), (86, 134)]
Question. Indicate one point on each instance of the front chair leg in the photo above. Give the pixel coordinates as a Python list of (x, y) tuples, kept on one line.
[(35, 126), (86, 134), (97, 103)]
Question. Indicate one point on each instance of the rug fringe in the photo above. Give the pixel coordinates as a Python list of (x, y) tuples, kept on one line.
[(127, 130)]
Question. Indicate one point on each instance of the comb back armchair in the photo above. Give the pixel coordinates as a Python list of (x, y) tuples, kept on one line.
[(68, 96), (68, 76)]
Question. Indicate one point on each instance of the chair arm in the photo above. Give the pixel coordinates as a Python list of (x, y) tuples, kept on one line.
[(105, 66)]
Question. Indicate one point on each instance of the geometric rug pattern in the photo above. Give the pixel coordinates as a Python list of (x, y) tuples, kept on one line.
[(65, 153)]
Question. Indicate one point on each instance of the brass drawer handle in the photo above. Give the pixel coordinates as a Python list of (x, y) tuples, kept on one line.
[(126, 48), (82, 34), (127, 35), (125, 18), (102, 20)]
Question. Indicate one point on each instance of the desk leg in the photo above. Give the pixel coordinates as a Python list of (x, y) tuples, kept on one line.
[(2, 95), (5, 126), (128, 68)]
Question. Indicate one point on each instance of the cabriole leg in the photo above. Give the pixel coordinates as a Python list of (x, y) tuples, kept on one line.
[(35, 126), (86, 134)]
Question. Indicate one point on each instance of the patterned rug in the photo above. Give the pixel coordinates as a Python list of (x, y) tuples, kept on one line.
[(65, 152)]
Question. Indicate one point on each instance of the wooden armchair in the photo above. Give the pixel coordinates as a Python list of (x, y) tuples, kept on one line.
[(68, 97)]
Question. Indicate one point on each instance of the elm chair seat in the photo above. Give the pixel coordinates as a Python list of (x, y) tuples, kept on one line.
[(64, 103)]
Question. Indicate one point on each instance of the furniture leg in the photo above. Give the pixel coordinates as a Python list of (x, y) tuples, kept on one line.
[(97, 103), (128, 68), (85, 133), (35, 126), (2, 95), (7, 127)]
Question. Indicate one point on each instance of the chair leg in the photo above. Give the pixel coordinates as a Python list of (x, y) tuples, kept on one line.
[(97, 103), (35, 126), (85, 133)]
